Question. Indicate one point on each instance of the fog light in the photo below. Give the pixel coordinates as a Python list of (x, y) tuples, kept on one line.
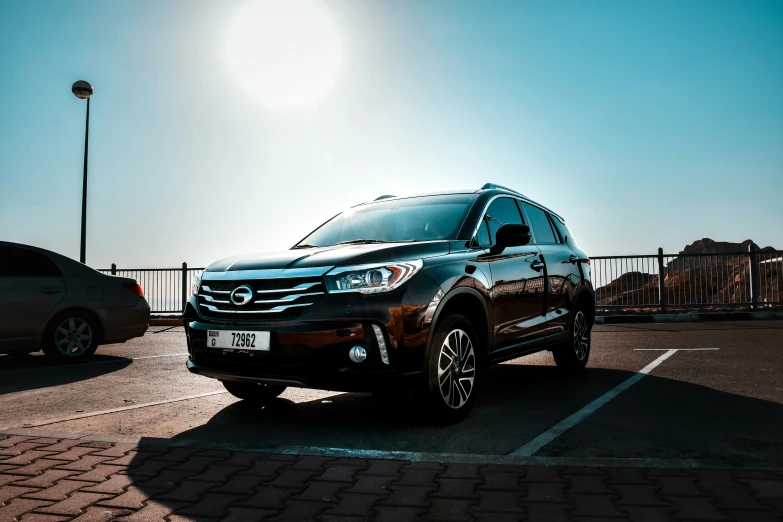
[(381, 343), (357, 354)]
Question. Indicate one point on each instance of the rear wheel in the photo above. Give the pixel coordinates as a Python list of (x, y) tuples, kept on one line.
[(256, 393), (452, 369), (71, 336), (573, 354)]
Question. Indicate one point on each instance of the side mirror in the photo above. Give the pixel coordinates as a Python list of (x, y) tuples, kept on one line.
[(510, 235)]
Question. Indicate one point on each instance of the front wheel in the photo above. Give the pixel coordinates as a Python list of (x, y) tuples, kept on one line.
[(253, 392), (573, 354), (452, 369)]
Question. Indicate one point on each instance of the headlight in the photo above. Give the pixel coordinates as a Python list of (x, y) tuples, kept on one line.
[(196, 285), (371, 279)]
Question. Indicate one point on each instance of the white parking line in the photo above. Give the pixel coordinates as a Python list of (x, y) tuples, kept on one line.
[(679, 349), (532, 447), (124, 408), (113, 361)]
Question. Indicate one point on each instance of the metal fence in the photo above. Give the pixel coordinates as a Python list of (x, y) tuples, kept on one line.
[(166, 289), (653, 283), (660, 282)]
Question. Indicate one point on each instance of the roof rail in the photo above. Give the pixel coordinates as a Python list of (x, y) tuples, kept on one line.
[(488, 186), (385, 196)]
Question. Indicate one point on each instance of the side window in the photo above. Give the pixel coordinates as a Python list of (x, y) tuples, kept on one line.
[(561, 229), (539, 222), (500, 212), (20, 262)]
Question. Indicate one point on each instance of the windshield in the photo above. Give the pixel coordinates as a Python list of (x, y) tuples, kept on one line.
[(410, 219)]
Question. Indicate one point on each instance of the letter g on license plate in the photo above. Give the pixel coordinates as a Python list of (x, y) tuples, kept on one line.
[(242, 340)]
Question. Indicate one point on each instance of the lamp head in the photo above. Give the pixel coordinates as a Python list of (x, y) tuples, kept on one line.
[(82, 89)]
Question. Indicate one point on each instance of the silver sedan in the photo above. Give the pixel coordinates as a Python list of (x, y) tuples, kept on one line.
[(52, 303)]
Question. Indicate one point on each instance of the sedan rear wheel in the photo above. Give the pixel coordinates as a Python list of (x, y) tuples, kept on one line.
[(71, 336)]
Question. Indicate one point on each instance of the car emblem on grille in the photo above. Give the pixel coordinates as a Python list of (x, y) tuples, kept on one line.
[(242, 295)]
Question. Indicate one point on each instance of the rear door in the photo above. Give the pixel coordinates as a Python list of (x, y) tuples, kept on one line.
[(562, 273), (517, 290), (31, 285)]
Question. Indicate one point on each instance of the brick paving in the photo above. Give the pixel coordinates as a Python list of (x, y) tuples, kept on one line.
[(49, 479)]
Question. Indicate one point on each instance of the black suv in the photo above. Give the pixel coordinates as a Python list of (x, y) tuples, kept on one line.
[(400, 293)]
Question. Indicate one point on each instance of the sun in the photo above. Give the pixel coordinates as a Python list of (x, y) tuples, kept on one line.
[(285, 53)]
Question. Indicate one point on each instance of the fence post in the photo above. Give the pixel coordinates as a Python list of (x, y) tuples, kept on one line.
[(661, 286), (113, 269), (754, 276), (184, 285)]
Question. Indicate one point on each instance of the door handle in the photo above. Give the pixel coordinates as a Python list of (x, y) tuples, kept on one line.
[(50, 291), (537, 265), (573, 259)]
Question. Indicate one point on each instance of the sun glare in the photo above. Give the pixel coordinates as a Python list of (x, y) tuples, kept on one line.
[(285, 53)]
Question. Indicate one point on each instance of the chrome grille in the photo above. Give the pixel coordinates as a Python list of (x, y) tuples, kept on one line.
[(274, 298)]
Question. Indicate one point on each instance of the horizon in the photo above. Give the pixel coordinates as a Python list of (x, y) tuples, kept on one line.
[(644, 125)]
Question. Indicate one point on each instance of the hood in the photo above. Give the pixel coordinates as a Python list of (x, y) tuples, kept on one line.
[(337, 255)]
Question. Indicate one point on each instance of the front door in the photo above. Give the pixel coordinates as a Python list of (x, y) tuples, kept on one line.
[(517, 290), (31, 285)]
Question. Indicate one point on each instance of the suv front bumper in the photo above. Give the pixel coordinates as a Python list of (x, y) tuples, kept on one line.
[(312, 350), (347, 382)]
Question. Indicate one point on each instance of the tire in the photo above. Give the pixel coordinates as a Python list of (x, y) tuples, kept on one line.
[(72, 336), (573, 355), (451, 389), (253, 392)]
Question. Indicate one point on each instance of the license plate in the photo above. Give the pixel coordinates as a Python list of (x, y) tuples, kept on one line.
[(240, 340)]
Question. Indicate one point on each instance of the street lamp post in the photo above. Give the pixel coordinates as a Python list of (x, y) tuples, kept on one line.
[(83, 90)]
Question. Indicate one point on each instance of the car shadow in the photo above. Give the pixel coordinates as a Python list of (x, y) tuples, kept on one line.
[(669, 418), (657, 417), (21, 373), (517, 397)]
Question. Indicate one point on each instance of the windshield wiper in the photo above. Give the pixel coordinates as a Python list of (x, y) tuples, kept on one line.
[(360, 242), (304, 246)]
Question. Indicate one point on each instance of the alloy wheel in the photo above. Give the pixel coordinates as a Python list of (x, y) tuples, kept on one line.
[(456, 369), (581, 336), (73, 337)]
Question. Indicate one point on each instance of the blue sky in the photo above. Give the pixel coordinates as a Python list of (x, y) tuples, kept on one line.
[(644, 124)]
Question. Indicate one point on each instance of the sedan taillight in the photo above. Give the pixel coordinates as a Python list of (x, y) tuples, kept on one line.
[(135, 288)]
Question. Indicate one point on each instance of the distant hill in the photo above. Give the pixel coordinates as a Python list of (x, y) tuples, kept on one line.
[(714, 280), (709, 246)]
